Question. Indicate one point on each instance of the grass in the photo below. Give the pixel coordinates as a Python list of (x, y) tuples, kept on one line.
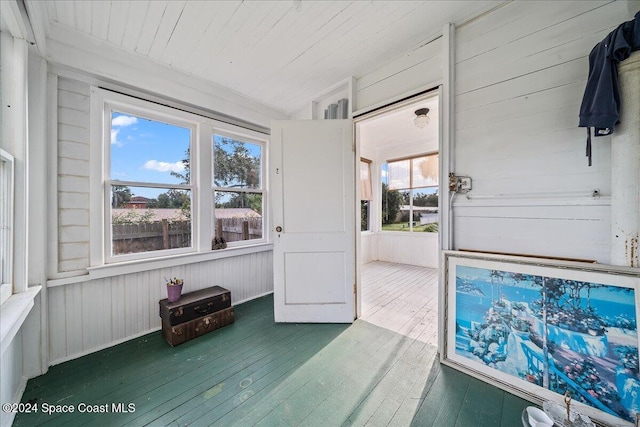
[(404, 226)]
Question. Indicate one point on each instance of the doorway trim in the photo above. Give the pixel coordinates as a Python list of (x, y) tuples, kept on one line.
[(443, 188)]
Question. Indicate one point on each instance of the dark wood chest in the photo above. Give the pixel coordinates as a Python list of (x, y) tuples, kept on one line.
[(195, 314)]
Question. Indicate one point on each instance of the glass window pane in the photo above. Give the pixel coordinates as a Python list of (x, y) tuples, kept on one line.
[(144, 150), (398, 175), (237, 164), (365, 215), (149, 219), (238, 216), (365, 181), (425, 209), (425, 171)]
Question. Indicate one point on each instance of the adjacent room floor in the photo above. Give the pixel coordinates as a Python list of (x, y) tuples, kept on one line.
[(402, 298), (257, 372)]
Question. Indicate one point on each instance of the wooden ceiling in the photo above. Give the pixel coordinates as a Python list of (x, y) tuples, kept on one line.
[(281, 53)]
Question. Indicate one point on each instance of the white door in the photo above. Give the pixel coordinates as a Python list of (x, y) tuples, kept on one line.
[(313, 220)]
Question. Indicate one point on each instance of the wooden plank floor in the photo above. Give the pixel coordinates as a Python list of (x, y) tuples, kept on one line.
[(257, 372), (402, 298)]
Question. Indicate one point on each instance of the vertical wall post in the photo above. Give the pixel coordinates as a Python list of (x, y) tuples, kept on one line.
[(625, 168)]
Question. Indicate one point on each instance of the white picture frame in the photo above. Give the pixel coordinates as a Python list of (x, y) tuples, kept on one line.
[(502, 314)]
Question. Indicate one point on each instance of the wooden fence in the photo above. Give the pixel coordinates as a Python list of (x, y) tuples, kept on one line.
[(150, 236), (237, 229), (158, 235)]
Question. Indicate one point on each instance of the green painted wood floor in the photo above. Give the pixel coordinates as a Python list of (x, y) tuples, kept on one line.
[(257, 372)]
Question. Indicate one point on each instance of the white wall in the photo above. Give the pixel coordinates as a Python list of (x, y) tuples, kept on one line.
[(520, 75), (520, 72), (22, 77), (73, 175), (87, 315), (419, 69)]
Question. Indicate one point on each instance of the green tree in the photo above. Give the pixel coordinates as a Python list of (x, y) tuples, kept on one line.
[(422, 199), (120, 195), (234, 165), (185, 176), (391, 201)]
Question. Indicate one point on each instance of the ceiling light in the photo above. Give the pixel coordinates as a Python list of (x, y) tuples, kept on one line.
[(421, 120)]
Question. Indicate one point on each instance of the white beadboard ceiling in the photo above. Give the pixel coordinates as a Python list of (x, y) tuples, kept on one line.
[(280, 53)]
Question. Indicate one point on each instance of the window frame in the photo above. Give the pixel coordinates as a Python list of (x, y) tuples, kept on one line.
[(108, 109), (261, 190), (369, 225), (103, 102), (411, 187), (7, 206)]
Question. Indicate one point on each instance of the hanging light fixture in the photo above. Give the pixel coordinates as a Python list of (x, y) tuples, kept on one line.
[(421, 120)]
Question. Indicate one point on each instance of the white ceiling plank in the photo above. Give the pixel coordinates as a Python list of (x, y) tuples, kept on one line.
[(188, 28), (100, 11), (167, 25), (39, 17), (51, 9), (221, 12), (65, 14), (150, 26), (117, 21), (233, 26), (137, 13), (114, 65), (278, 53), (82, 11)]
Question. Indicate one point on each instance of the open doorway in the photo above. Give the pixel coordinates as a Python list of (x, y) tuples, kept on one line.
[(399, 216)]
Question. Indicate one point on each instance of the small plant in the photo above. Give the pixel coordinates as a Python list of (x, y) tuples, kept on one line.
[(174, 282)]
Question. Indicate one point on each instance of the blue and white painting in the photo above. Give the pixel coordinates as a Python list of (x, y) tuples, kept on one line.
[(555, 333)]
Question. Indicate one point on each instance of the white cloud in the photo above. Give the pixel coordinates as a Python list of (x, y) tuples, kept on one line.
[(123, 121), (164, 166), (114, 137)]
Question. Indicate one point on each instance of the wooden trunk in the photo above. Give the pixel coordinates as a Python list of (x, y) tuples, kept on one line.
[(194, 305), (186, 331), (195, 314)]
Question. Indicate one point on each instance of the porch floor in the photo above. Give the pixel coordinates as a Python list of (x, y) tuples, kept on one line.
[(402, 298), (257, 372)]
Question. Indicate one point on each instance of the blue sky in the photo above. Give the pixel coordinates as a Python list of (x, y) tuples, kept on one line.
[(146, 151)]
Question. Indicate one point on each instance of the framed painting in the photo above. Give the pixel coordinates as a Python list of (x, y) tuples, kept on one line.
[(539, 328)]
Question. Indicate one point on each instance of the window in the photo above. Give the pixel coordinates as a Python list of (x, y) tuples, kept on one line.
[(174, 182), (365, 194), (238, 189), (6, 225), (150, 184), (410, 194)]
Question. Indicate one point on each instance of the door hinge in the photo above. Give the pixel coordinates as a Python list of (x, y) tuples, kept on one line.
[(355, 289)]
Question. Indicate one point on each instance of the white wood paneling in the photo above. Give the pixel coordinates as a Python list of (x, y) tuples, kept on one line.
[(368, 248), (91, 315), (278, 53), (419, 248), (11, 381), (73, 175), (520, 75), (414, 71)]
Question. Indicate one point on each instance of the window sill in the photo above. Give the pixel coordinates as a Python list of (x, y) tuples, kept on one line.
[(13, 313), (421, 234), (117, 269)]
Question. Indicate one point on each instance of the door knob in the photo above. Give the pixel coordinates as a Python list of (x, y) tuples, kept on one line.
[(279, 229)]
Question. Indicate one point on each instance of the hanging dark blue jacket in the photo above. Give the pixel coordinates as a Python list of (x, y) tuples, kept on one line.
[(600, 107)]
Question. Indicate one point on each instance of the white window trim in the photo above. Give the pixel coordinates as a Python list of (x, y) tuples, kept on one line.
[(202, 195), (411, 190), (161, 116), (8, 184), (262, 190)]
